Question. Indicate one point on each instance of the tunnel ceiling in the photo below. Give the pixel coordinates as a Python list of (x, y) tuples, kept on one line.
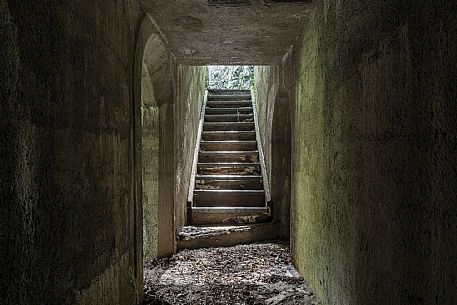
[(201, 32)]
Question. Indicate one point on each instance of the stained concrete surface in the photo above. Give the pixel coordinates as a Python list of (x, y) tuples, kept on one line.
[(190, 82), (66, 230), (150, 122), (70, 230), (274, 124), (374, 154), (229, 33)]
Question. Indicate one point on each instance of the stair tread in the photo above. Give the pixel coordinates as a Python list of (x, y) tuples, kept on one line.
[(228, 96), (239, 169), (228, 104), (249, 108), (230, 114), (229, 177), (228, 164), (228, 123), (231, 191), (229, 209), (218, 102), (229, 142), (230, 152), (229, 131)]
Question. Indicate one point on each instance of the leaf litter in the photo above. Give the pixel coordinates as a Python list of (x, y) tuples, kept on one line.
[(253, 274)]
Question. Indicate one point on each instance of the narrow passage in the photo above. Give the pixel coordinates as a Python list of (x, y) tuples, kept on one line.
[(260, 273)]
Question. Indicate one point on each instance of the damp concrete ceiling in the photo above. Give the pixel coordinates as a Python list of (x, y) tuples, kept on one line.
[(204, 32)]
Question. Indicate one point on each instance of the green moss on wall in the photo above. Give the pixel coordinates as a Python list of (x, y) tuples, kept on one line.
[(366, 124)]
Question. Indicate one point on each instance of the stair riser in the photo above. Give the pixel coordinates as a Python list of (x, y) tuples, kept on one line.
[(229, 136), (229, 170), (229, 127), (229, 118), (229, 97), (233, 104), (204, 184), (229, 146), (228, 200), (227, 158), (245, 110)]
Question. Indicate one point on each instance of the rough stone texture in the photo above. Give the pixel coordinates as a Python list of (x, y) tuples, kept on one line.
[(274, 124), (71, 200), (66, 230), (151, 162), (199, 33), (190, 82), (374, 153), (170, 98)]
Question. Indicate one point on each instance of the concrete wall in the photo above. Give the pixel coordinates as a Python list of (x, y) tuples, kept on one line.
[(190, 89), (150, 154), (70, 149), (374, 155), (173, 94), (66, 220), (273, 110)]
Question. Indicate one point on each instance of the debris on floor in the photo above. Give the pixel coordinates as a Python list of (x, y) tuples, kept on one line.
[(254, 274)]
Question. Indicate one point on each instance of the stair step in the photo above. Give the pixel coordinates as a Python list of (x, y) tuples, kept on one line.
[(228, 135), (229, 198), (229, 91), (228, 104), (242, 110), (228, 182), (228, 145), (228, 168), (229, 97), (228, 126), (228, 156), (252, 210), (229, 118)]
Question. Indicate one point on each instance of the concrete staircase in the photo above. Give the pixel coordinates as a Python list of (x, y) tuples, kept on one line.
[(228, 184)]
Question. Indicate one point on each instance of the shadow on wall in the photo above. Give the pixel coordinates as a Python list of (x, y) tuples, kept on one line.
[(154, 145)]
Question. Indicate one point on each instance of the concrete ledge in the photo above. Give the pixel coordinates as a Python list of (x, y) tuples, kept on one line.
[(226, 236)]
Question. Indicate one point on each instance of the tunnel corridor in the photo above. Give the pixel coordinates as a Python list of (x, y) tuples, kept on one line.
[(103, 138)]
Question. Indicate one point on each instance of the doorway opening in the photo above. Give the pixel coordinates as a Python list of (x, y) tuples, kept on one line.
[(230, 77)]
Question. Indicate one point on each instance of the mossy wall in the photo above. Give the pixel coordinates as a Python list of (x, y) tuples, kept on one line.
[(374, 155)]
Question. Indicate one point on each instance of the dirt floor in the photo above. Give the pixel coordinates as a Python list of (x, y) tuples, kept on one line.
[(246, 274)]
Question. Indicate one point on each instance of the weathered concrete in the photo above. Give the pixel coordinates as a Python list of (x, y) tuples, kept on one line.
[(250, 32), (71, 172), (274, 123), (371, 99), (230, 236), (190, 81), (66, 221), (166, 131), (155, 61), (374, 152)]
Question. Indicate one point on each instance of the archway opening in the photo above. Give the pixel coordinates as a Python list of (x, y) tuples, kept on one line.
[(155, 140)]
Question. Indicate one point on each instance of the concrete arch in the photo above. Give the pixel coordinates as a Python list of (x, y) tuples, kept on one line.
[(153, 147)]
